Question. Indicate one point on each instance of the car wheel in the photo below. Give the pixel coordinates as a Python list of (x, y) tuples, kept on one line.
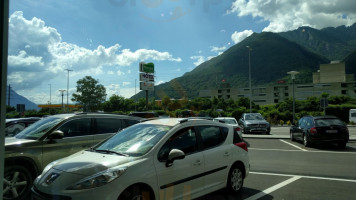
[(291, 136), (136, 193), (305, 141), (268, 132), (17, 182), (235, 179)]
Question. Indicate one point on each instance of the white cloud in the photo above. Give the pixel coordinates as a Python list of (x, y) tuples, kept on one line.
[(199, 60), (239, 36), (284, 15), (120, 73), (35, 47), (218, 49), (126, 83), (110, 72)]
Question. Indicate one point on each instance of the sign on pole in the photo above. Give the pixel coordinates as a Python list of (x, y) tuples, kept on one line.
[(147, 86), (147, 67), (146, 77)]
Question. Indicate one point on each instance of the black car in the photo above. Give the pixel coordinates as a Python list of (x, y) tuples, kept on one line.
[(14, 126), (320, 129)]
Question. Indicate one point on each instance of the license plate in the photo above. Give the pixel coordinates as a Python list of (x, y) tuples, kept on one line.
[(331, 131)]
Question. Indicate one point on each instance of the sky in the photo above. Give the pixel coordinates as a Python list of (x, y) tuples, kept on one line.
[(53, 44)]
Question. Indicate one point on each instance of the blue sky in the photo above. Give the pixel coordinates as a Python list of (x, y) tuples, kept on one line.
[(107, 39)]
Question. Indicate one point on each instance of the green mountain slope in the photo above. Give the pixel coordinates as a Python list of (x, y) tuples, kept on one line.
[(350, 64), (272, 56), (333, 43)]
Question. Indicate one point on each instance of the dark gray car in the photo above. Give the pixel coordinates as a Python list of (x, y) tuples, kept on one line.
[(52, 138), (254, 123)]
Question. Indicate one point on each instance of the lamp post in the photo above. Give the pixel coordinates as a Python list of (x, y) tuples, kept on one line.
[(50, 93), (293, 73), (69, 70), (249, 75), (62, 91)]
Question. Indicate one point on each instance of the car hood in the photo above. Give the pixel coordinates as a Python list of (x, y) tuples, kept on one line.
[(15, 141), (88, 163)]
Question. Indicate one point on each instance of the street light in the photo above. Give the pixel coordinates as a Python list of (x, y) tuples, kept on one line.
[(249, 74), (69, 70), (293, 73), (62, 91), (50, 93)]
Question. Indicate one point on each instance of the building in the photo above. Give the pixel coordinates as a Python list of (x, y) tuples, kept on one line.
[(331, 79)]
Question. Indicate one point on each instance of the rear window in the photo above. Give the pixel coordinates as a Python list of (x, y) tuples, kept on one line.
[(237, 138), (328, 122)]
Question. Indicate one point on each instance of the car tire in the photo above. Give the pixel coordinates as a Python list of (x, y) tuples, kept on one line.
[(291, 136), (136, 192), (235, 179), (268, 133), (17, 182), (306, 143)]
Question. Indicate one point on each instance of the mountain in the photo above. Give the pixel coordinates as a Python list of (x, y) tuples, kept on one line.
[(18, 99), (333, 43), (272, 56)]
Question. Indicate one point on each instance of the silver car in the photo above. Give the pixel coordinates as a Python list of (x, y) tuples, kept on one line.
[(254, 123), (52, 138)]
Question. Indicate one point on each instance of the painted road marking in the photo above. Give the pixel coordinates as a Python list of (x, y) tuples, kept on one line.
[(309, 151), (273, 188), (293, 145), (302, 176)]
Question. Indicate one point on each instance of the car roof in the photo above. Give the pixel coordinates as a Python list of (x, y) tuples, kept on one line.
[(175, 121)]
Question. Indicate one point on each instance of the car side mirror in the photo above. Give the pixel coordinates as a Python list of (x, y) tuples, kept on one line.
[(174, 154), (56, 135)]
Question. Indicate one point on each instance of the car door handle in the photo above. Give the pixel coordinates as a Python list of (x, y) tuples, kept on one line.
[(197, 162), (227, 154)]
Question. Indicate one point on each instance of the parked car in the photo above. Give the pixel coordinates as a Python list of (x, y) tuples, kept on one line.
[(320, 129), (14, 126), (254, 123), (231, 121), (158, 159), (144, 114), (52, 138)]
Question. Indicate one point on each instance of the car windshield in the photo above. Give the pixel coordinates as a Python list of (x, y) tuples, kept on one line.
[(328, 122), (135, 140), (230, 121), (253, 117), (38, 129)]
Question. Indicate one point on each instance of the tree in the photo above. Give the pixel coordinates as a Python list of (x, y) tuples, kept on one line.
[(90, 94), (165, 102)]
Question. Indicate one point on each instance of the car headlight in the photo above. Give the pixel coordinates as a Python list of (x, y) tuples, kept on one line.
[(98, 179), (49, 166)]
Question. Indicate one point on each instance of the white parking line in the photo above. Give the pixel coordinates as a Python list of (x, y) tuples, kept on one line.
[(309, 151), (301, 176), (293, 145), (273, 188)]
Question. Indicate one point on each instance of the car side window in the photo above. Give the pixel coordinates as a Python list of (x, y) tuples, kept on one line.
[(76, 127), (107, 125), (184, 140), (211, 136)]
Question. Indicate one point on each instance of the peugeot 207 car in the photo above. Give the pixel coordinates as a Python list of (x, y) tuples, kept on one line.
[(167, 158), (254, 123), (320, 129), (52, 138)]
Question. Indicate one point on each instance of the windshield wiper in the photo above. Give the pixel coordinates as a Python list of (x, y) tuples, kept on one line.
[(109, 152)]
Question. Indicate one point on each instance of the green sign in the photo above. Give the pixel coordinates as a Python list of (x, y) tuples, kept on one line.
[(148, 68)]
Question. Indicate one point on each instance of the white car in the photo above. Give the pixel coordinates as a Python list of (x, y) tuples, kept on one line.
[(159, 159), (231, 121)]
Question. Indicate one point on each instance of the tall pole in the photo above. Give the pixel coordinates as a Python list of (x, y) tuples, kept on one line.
[(293, 102), (68, 70), (62, 91), (293, 73), (249, 75), (50, 93)]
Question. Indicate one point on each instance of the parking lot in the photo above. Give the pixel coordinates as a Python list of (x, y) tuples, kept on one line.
[(282, 169)]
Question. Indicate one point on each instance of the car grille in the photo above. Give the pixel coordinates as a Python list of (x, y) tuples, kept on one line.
[(258, 125)]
